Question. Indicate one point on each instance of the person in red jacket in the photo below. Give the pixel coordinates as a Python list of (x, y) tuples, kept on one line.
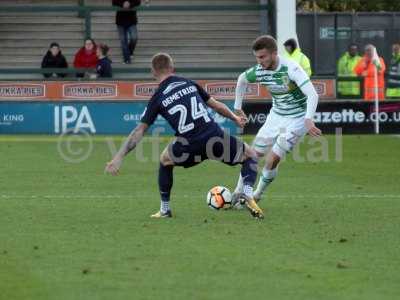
[(86, 56), (366, 68)]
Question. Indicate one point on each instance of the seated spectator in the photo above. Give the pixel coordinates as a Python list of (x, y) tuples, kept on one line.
[(294, 52), (367, 67), (126, 21), (346, 65), (54, 59), (86, 57), (103, 68), (393, 83)]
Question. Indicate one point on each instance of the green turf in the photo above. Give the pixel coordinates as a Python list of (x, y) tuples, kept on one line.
[(67, 231)]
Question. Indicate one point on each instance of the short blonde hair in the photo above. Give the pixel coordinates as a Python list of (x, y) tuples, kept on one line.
[(162, 63)]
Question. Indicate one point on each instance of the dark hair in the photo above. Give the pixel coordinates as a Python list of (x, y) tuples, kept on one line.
[(290, 43), (265, 42), (89, 39), (54, 44), (353, 45), (104, 49), (162, 62)]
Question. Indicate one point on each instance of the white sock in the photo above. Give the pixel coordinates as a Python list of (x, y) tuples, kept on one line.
[(164, 207), (267, 176), (239, 185)]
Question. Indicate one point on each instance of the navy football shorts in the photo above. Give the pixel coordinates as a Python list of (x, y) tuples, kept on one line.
[(219, 146)]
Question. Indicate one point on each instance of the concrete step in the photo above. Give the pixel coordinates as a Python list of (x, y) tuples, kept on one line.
[(37, 51), (37, 2), (53, 35), (145, 34), (143, 43), (11, 52), (40, 27), (164, 19), (52, 20), (183, 20), (181, 36), (141, 14), (112, 27), (183, 28), (4, 14), (177, 13), (22, 43)]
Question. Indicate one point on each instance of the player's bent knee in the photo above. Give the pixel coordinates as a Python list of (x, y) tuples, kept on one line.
[(280, 150), (165, 159), (261, 145), (166, 162), (259, 154), (249, 153), (261, 151)]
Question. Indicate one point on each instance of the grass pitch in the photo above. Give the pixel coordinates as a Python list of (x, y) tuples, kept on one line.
[(67, 231)]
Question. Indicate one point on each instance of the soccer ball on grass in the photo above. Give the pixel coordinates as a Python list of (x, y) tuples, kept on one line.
[(219, 197)]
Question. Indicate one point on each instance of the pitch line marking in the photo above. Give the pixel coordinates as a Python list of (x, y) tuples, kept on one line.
[(281, 196)]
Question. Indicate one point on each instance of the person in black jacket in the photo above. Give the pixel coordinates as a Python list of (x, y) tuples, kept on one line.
[(126, 21), (103, 68), (54, 59)]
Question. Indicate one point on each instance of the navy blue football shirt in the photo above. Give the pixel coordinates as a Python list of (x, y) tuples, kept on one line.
[(182, 103)]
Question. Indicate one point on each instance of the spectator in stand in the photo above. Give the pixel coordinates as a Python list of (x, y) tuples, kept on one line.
[(366, 67), (393, 83), (54, 59), (103, 68), (294, 52), (126, 21), (346, 65), (86, 57)]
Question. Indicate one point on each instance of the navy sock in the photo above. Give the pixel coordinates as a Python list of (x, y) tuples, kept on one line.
[(165, 181), (249, 172)]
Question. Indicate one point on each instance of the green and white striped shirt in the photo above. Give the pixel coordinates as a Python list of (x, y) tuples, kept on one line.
[(284, 84)]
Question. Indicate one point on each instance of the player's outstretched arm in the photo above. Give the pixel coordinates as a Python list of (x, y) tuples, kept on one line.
[(131, 142), (224, 110), (240, 91)]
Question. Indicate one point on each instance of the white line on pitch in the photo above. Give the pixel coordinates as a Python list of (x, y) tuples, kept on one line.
[(281, 196)]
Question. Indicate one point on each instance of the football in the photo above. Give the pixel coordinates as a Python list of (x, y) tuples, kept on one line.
[(219, 197)]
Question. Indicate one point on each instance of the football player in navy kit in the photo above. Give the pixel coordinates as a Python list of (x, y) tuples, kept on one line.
[(183, 103)]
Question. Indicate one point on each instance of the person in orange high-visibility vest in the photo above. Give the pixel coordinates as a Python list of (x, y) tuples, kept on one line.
[(366, 68)]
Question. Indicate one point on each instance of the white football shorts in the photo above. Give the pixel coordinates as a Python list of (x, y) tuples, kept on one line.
[(279, 132)]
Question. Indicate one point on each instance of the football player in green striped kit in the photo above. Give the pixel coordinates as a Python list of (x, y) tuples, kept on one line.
[(294, 102)]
